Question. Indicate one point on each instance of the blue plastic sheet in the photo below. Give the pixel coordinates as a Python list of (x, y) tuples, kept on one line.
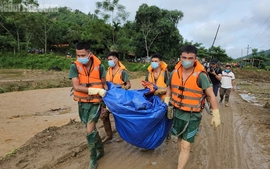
[(140, 120)]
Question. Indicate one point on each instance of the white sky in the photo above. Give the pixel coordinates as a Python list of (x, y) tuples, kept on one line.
[(242, 22)]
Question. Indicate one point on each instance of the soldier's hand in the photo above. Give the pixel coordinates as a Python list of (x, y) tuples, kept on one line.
[(216, 118)]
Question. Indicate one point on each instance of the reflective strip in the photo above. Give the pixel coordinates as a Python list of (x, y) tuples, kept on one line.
[(191, 134), (90, 84), (185, 97), (88, 98), (187, 89), (192, 106)]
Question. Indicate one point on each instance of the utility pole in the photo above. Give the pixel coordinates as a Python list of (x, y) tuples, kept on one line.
[(248, 47), (214, 41), (215, 36)]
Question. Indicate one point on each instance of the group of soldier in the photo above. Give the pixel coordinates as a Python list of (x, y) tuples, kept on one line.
[(184, 91)]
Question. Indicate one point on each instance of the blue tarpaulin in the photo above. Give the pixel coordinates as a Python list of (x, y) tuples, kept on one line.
[(140, 120)]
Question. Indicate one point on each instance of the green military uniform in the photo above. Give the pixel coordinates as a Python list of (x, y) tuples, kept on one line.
[(125, 77), (90, 112), (181, 118)]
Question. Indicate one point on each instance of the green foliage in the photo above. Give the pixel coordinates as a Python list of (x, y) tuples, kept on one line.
[(34, 61), (154, 30), (51, 62), (11, 153), (135, 67), (108, 9), (158, 31)]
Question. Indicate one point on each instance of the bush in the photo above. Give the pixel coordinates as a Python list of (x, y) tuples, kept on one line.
[(34, 61)]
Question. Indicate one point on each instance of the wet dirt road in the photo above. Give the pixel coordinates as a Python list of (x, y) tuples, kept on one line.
[(242, 140)]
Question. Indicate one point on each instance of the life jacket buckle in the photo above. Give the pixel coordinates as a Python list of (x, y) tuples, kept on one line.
[(181, 88), (181, 96)]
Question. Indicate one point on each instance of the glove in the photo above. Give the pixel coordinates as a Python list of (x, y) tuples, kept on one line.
[(170, 112), (94, 91), (124, 87), (216, 118), (159, 92), (102, 92), (167, 100)]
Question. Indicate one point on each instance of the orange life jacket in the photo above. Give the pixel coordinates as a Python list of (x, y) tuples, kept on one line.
[(160, 80), (187, 96), (117, 77), (91, 79)]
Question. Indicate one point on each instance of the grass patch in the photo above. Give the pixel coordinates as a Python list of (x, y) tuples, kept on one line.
[(11, 153)]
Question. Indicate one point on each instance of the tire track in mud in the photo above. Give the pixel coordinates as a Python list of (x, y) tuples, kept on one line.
[(250, 153), (216, 148)]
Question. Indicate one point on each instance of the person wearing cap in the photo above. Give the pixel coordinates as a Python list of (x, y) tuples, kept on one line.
[(117, 74), (215, 74), (227, 84), (188, 86)]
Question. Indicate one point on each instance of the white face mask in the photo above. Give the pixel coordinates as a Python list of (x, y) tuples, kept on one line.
[(111, 63), (83, 60), (187, 64), (154, 65)]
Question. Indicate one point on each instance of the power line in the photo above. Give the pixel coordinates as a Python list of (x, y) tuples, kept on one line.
[(264, 32), (260, 30), (264, 43)]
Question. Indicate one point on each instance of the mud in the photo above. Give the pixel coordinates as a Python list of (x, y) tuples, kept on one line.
[(41, 129)]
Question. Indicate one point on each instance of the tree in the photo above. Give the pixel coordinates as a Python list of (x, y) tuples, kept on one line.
[(98, 33), (107, 9), (220, 54), (15, 23), (127, 39), (159, 26), (254, 52)]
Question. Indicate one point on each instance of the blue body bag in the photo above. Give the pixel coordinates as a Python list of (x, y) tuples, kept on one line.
[(140, 120)]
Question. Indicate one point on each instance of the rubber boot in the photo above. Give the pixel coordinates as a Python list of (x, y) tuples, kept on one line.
[(108, 128), (91, 138), (169, 136), (99, 146)]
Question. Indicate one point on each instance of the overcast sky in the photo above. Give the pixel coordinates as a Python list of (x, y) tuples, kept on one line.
[(242, 22)]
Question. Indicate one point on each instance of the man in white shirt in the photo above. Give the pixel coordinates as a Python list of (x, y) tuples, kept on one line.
[(227, 84)]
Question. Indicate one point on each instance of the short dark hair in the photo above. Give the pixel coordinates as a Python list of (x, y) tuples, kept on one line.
[(157, 55), (189, 49), (83, 45), (228, 65), (115, 54)]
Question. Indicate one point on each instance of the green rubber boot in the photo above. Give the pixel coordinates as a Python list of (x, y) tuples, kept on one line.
[(91, 138), (99, 146)]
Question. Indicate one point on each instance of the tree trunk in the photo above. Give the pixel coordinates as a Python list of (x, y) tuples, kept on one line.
[(45, 39), (18, 40)]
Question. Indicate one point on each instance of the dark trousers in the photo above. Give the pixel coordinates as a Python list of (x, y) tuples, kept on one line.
[(215, 89), (225, 92)]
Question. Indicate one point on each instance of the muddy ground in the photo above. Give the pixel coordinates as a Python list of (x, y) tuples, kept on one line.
[(40, 129)]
